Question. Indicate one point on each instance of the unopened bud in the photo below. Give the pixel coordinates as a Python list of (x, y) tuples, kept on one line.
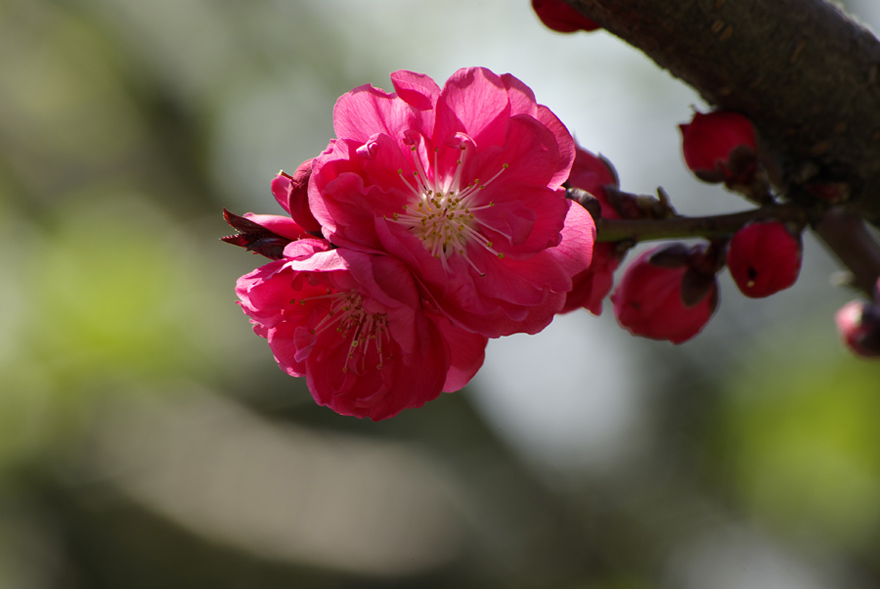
[(858, 323), (664, 294), (266, 235), (764, 258), (562, 18), (721, 146)]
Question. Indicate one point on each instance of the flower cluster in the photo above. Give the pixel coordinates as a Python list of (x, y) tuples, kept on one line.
[(670, 291), (441, 217), (435, 220)]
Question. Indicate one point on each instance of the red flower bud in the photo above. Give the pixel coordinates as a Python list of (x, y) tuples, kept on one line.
[(858, 324), (595, 175), (292, 193), (720, 147), (266, 235), (591, 286), (666, 295), (764, 258), (562, 18)]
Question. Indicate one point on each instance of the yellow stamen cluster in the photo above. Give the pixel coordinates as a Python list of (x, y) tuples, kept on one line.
[(443, 214), (349, 318)]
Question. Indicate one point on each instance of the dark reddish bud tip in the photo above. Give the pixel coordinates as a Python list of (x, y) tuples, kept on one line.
[(764, 258), (674, 255), (671, 299), (586, 200), (858, 324), (562, 18), (721, 147), (257, 238), (696, 287), (292, 193)]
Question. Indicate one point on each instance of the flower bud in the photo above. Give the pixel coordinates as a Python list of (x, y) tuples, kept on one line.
[(266, 235), (292, 193), (667, 294), (562, 18), (764, 258), (721, 147), (591, 286), (595, 175), (858, 323)]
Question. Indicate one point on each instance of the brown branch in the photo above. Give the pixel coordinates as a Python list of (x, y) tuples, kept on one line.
[(684, 227), (806, 74), (848, 238)]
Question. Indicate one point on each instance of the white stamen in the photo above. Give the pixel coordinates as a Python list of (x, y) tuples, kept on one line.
[(441, 212)]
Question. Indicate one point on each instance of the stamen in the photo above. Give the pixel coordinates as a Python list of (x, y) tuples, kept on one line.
[(446, 216), (346, 316)]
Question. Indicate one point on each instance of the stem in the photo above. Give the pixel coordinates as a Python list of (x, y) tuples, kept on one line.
[(848, 238), (681, 227)]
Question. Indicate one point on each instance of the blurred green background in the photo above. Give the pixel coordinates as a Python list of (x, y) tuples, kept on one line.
[(147, 438)]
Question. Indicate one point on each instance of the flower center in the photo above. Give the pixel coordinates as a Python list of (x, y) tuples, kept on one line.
[(444, 214), (347, 316)]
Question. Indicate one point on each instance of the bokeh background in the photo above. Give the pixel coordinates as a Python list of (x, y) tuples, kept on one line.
[(147, 438)]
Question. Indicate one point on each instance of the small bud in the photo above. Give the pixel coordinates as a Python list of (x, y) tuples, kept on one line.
[(671, 299), (721, 147), (562, 18), (858, 324), (292, 193), (266, 235), (764, 258)]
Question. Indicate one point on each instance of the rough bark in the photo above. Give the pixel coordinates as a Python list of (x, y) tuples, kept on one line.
[(802, 70)]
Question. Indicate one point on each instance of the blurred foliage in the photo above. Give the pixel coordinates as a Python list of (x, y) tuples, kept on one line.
[(148, 440), (802, 444)]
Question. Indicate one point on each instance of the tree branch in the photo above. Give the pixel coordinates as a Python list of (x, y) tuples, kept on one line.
[(806, 74), (848, 239), (684, 227)]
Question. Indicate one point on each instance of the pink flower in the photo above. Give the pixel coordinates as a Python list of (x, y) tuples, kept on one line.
[(666, 295), (559, 16), (353, 325), (764, 258), (464, 185), (591, 286), (721, 147)]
